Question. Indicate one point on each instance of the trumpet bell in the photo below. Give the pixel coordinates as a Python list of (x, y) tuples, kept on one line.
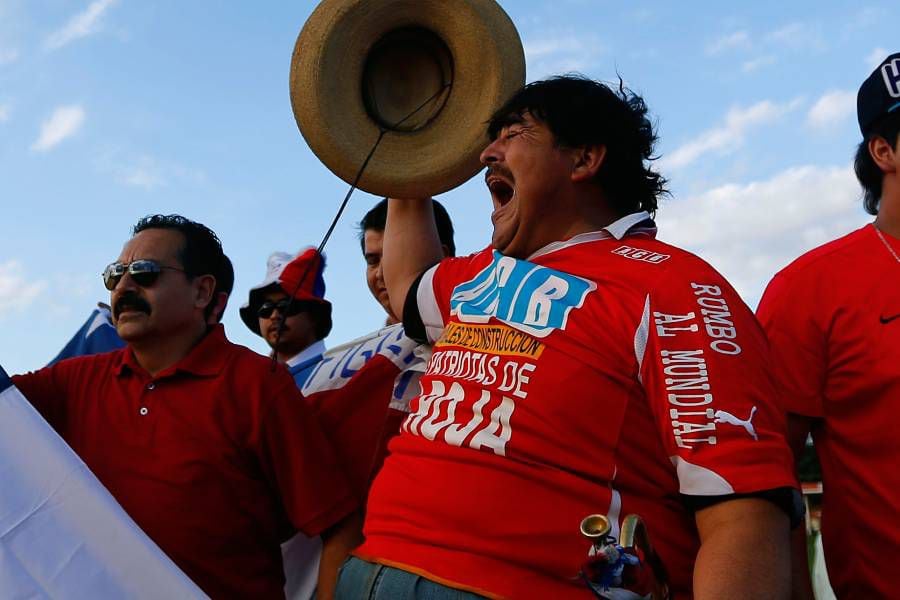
[(595, 527)]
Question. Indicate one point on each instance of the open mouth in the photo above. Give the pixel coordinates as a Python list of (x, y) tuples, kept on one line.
[(501, 191)]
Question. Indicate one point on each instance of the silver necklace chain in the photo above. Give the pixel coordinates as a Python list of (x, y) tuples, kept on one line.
[(886, 245)]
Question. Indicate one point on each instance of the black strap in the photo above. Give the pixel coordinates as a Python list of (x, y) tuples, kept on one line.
[(786, 498), (412, 318)]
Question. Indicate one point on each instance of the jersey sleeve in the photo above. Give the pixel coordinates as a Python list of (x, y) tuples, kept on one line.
[(704, 366), (300, 463), (46, 390), (797, 342), (427, 306)]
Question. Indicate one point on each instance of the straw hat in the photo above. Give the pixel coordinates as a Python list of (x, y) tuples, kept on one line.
[(360, 66)]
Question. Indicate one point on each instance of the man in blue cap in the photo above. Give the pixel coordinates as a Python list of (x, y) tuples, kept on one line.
[(833, 321)]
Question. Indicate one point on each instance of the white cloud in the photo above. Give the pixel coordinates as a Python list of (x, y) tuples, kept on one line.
[(144, 171), (81, 25), (64, 122), (560, 54), (17, 291), (862, 18), (736, 39), (875, 57), (8, 56), (832, 108), (757, 63), (750, 231), (800, 36), (729, 135), (5, 111), (643, 15)]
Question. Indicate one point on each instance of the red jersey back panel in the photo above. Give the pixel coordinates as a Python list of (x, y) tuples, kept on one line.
[(602, 375)]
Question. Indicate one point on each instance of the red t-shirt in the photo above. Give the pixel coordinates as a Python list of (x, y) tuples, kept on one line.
[(833, 321), (217, 458), (602, 375)]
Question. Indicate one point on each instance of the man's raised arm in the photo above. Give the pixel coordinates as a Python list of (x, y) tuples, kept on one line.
[(411, 245)]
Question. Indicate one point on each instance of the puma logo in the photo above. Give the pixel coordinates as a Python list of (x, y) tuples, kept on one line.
[(885, 320), (726, 417)]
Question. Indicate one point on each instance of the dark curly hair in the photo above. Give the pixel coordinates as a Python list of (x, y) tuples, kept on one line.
[(581, 112), (868, 173), (201, 254)]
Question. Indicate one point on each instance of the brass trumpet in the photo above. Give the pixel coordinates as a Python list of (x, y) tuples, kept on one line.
[(633, 539)]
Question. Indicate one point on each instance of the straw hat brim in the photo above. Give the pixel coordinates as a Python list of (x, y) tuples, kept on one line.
[(326, 82)]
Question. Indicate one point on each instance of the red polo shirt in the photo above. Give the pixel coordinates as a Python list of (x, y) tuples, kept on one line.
[(217, 458)]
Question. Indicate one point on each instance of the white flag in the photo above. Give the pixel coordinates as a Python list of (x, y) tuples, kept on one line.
[(62, 534)]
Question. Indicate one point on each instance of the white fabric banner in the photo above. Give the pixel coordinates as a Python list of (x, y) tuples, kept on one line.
[(62, 535)]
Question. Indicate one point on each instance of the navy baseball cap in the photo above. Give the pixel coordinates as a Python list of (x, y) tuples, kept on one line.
[(879, 94)]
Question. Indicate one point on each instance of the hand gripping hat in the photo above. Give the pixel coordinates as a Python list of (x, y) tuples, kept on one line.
[(429, 72), (300, 275), (879, 94)]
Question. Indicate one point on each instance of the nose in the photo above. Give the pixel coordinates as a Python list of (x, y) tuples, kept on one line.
[(492, 153)]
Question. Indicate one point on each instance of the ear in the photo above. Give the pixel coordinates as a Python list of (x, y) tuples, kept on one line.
[(587, 162), (218, 309), (882, 153), (204, 289)]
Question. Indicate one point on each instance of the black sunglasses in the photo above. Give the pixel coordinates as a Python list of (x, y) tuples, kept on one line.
[(144, 272), (284, 306)]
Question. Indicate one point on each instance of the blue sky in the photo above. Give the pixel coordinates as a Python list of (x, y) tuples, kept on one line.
[(113, 109)]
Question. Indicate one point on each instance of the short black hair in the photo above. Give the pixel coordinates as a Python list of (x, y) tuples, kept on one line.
[(868, 173), (224, 282), (376, 218), (201, 253), (581, 112)]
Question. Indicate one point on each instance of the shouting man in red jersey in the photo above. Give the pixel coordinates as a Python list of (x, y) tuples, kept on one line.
[(580, 366)]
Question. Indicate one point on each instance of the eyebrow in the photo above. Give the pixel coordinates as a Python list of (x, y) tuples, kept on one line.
[(512, 118)]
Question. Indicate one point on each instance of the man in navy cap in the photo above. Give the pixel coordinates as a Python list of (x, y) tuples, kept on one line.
[(833, 320), (289, 310)]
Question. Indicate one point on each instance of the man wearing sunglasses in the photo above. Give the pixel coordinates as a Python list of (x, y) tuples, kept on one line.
[(210, 450), (98, 334), (288, 309)]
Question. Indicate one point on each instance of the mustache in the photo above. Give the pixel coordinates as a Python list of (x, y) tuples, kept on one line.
[(130, 300), (498, 170), (274, 326)]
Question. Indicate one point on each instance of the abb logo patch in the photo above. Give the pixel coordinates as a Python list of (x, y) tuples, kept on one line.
[(642, 255)]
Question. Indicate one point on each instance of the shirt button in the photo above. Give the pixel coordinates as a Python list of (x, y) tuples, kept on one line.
[(151, 385), (144, 410)]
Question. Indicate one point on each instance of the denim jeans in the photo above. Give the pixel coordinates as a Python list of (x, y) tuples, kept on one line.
[(362, 580)]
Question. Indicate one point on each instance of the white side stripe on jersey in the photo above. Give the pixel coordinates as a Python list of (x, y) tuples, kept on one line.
[(694, 480), (615, 512), (640, 336), (428, 307)]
